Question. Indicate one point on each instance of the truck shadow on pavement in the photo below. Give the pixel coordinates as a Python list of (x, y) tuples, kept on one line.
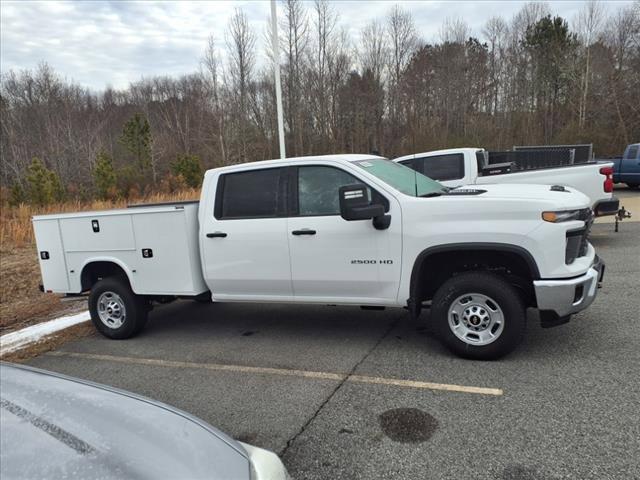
[(200, 330)]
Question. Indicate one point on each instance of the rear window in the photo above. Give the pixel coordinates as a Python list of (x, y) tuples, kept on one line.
[(251, 194), (632, 152), (444, 167)]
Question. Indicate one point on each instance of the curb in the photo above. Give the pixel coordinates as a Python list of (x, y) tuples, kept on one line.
[(35, 333)]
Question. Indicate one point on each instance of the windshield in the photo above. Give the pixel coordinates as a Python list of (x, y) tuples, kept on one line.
[(402, 178)]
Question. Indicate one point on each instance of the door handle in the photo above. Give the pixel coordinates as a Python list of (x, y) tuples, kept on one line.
[(216, 235), (306, 231)]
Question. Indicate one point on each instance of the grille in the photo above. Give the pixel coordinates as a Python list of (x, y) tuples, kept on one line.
[(578, 240)]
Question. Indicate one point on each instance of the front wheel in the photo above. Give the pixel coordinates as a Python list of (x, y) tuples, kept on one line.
[(479, 315), (633, 186), (116, 311)]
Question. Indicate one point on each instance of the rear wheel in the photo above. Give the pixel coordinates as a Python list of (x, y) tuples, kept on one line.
[(116, 311), (479, 315)]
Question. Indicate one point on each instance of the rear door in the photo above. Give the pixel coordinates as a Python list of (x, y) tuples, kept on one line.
[(51, 255), (334, 260), (244, 241), (630, 165)]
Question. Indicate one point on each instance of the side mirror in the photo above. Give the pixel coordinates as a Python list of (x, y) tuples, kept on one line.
[(354, 205)]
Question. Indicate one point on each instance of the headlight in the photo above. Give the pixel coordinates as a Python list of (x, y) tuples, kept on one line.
[(564, 216)]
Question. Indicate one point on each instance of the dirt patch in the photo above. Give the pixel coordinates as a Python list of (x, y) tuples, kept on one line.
[(50, 343), (21, 302)]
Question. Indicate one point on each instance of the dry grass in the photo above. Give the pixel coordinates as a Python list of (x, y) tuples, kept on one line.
[(21, 302), (15, 222)]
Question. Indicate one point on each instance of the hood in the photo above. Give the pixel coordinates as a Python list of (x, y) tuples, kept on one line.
[(55, 426), (558, 197)]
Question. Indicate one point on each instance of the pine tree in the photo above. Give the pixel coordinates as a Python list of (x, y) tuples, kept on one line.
[(136, 138), (104, 175), (56, 189), (189, 168), (552, 48), (17, 195), (39, 183)]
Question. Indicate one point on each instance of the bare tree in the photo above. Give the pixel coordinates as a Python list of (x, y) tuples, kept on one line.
[(241, 43), (385, 89), (401, 34), (373, 53), (588, 24), (402, 40), (495, 31), (622, 35), (454, 30), (211, 65), (295, 41), (324, 22)]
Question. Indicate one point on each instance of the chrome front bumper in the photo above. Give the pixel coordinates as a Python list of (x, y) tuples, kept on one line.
[(568, 296)]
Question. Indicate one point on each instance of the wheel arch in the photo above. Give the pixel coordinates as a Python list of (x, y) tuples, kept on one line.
[(102, 267), (448, 259)]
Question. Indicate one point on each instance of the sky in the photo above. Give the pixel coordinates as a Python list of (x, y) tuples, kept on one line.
[(112, 43)]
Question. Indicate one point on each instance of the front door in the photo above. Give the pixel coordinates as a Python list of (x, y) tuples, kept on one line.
[(244, 240), (334, 260)]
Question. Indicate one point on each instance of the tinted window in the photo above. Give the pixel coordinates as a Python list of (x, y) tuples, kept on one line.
[(318, 189), (443, 167), (480, 159), (251, 194), (633, 151)]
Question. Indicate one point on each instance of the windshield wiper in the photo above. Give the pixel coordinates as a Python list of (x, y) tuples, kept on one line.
[(431, 194)]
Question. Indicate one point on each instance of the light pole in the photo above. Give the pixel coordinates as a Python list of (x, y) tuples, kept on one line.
[(276, 68)]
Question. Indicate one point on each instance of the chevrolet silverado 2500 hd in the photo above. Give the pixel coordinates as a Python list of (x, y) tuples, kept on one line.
[(340, 229), (466, 166)]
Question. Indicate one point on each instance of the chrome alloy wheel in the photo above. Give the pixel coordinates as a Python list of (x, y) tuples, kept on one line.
[(476, 319), (111, 310)]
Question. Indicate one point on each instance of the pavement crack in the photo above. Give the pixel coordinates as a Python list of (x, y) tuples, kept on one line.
[(346, 377)]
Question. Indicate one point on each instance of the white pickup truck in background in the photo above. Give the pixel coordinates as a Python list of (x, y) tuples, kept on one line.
[(343, 229), (475, 166)]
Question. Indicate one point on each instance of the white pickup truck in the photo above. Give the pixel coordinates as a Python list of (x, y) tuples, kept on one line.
[(343, 229), (473, 166)]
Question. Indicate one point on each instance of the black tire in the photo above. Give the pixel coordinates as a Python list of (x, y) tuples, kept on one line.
[(135, 308), (633, 186), (501, 293)]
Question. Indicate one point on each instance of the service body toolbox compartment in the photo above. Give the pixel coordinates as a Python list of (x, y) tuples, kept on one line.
[(155, 245)]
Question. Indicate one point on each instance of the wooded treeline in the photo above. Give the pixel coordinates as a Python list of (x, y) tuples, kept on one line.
[(533, 79)]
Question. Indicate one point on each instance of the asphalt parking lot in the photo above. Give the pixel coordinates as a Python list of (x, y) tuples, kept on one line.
[(342, 393)]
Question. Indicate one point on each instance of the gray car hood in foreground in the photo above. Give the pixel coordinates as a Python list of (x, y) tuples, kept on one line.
[(53, 426)]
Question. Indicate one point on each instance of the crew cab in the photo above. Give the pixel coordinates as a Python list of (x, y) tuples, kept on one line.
[(475, 166), (342, 230)]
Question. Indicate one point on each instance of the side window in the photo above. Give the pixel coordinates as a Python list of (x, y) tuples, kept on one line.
[(444, 167), (318, 189), (250, 194), (416, 164), (633, 151), (480, 159)]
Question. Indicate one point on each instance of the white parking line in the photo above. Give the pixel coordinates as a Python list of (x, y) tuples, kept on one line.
[(284, 372)]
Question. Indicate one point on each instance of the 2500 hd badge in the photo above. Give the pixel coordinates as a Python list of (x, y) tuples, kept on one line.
[(371, 262)]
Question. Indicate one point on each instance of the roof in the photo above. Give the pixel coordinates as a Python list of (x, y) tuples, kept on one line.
[(437, 152), (349, 157)]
